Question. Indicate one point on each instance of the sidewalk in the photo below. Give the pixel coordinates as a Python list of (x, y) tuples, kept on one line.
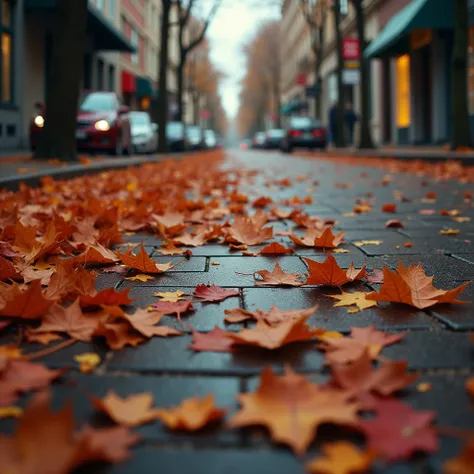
[(436, 345)]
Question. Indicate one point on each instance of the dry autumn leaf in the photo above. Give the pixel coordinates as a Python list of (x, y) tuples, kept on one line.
[(248, 231), (134, 410), (341, 458), (292, 408), (88, 361), (140, 277), (463, 462), (274, 337), (169, 307), (144, 322), (319, 239), (216, 340), (411, 286), (275, 249), (273, 316), (107, 297), (358, 298), (142, 262), (170, 296), (278, 277), (213, 293), (191, 414)]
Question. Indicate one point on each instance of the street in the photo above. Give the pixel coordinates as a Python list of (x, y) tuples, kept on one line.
[(383, 210)]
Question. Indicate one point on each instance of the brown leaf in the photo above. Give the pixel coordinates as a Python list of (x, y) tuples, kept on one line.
[(275, 249), (329, 273), (107, 297), (142, 262), (213, 293), (272, 317), (463, 462), (278, 277), (169, 307), (97, 254), (319, 239), (145, 322), (213, 341), (248, 231), (117, 335)]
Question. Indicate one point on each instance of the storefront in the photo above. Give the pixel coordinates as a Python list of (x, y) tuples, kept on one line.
[(415, 50)]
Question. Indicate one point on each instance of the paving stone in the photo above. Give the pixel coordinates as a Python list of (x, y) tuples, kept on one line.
[(108, 280), (168, 391), (191, 264), (173, 356), (460, 316), (394, 245), (205, 318), (445, 269), (337, 318)]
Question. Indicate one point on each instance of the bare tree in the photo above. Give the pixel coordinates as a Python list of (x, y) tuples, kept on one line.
[(460, 112), (58, 139), (339, 132), (185, 47), (162, 106), (315, 14)]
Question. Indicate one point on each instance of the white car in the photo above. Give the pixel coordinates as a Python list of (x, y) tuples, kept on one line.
[(144, 133), (210, 139)]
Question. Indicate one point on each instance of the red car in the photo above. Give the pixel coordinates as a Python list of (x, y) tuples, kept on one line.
[(102, 124)]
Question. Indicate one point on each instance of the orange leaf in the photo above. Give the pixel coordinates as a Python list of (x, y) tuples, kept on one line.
[(411, 286), (107, 297), (272, 317), (134, 410), (329, 273), (192, 414), (292, 408), (7, 269), (389, 208), (213, 293), (27, 303), (97, 254), (213, 341), (143, 262), (274, 337), (275, 249), (319, 239), (278, 277), (463, 462), (248, 231), (144, 322), (117, 335)]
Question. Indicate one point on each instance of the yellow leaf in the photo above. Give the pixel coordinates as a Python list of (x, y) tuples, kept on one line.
[(353, 310), (349, 214), (215, 263), (11, 352), (357, 298), (88, 361), (462, 219), (140, 277), (449, 231), (424, 387), (11, 412), (42, 265), (330, 335), (361, 243), (340, 251), (170, 296)]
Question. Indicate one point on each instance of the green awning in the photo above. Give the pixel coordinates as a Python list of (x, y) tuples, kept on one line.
[(106, 36), (145, 87), (418, 15)]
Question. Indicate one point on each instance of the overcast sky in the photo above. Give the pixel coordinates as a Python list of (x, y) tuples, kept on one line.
[(232, 27)]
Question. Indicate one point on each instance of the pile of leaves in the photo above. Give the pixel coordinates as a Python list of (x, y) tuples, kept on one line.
[(56, 239)]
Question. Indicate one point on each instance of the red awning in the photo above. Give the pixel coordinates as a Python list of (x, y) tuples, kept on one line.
[(129, 84)]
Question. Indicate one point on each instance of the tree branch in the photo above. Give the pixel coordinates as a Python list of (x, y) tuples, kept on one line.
[(187, 13)]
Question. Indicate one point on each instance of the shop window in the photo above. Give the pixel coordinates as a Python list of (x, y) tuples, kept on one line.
[(403, 91), (6, 51)]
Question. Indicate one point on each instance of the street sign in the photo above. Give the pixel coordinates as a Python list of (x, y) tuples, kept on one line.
[(351, 76), (205, 114), (351, 48)]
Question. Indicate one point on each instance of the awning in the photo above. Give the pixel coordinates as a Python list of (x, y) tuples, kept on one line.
[(294, 106), (418, 15), (106, 36), (129, 83), (145, 87)]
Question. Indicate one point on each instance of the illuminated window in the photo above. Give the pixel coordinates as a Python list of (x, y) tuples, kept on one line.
[(403, 91), (6, 51)]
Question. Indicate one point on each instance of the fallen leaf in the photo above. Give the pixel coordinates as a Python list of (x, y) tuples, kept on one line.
[(357, 298), (340, 251), (278, 277), (171, 249), (292, 408), (389, 208), (97, 254), (411, 286), (319, 239), (247, 231), (361, 243), (145, 322), (191, 414), (424, 387), (398, 431), (212, 341), (134, 410), (375, 277), (394, 223), (213, 293), (117, 335), (11, 412), (107, 297), (470, 386), (142, 262), (463, 462), (274, 337), (140, 277), (177, 307), (341, 457), (348, 349), (449, 231), (272, 317), (88, 361), (170, 296), (275, 249), (329, 273)]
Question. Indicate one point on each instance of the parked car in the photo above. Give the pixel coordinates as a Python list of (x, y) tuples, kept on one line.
[(210, 139), (273, 138), (102, 124), (144, 133), (258, 140), (303, 132), (195, 137), (175, 137)]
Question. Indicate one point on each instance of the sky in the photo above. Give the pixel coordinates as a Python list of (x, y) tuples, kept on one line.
[(231, 29)]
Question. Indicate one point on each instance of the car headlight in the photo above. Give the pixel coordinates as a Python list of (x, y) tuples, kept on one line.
[(102, 125), (39, 121)]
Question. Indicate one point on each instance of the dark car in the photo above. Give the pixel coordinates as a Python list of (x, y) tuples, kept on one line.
[(102, 124), (195, 137), (304, 132), (258, 140), (176, 137), (273, 138)]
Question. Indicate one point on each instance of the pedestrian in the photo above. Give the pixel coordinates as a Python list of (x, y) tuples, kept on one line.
[(350, 118), (332, 122)]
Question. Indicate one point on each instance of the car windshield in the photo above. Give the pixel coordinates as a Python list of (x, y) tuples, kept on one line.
[(210, 134), (97, 102), (139, 118), (303, 122), (193, 131), (276, 133), (174, 129)]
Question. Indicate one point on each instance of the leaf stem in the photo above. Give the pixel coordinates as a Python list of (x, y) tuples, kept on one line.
[(50, 350), (455, 432)]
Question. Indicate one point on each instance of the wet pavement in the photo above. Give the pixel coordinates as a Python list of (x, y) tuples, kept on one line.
[(436, 344)]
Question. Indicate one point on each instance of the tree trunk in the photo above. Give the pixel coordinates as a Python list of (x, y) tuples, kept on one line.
[(460, 112), (58, 139), (276, 95), (196, 109), (180, 91), (339, 138), (163, 76), (365, 137)]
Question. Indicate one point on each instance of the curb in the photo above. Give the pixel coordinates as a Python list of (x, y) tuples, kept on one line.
[(12, 183)]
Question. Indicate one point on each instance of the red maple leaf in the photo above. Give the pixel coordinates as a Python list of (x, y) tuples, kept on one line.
[(216, 340), (213, 293), (171, 307), (107, 297)]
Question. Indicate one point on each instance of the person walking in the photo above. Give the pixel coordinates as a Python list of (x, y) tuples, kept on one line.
[(350, 118)]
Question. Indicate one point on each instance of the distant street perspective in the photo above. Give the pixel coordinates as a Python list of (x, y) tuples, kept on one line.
[(236, 236)]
